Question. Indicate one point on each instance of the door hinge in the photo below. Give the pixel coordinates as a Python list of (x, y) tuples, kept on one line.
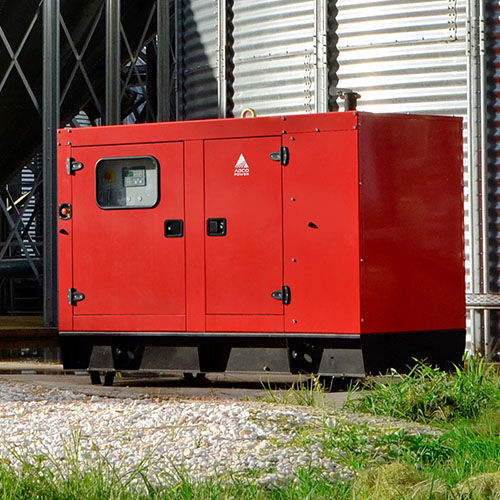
[(283, 155), (74, 296), (72, 166), (283, 295)]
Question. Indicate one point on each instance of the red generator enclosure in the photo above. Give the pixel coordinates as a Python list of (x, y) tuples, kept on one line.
[(328, 243)]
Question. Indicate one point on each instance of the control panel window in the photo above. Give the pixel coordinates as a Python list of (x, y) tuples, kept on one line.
[(127, 182)]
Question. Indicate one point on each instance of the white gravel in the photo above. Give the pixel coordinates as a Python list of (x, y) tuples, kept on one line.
[(195, 438)]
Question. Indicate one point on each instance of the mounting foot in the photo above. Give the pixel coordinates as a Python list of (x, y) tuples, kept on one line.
[(109, 377), (95, 377)]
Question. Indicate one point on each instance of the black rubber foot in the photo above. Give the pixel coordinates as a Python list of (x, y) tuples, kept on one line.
[(109, 377), (95, 377)]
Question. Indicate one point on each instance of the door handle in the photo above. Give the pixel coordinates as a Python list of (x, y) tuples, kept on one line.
[(173, 228), (216, 227)]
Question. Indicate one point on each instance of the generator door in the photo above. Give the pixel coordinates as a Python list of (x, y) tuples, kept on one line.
[(243, 235), (128, 244)]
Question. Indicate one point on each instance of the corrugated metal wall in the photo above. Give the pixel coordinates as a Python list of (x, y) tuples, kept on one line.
[(493, 156), (197, 29), (273, 45), (404, 55), (267, 55)]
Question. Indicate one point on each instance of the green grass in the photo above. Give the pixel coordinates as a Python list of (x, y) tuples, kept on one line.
[(458, 457), (429, 395), (463, 461), (32, 483)]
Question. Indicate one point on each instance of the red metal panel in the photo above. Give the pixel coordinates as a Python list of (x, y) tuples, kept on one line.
[(194, 234), (121, 260), (243, 185), (244, 323), (321, 232), (65, 231), (213, 129), (412, 275), (130, 323)]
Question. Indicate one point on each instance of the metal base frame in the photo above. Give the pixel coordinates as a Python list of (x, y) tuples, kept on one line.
[(326, 355)]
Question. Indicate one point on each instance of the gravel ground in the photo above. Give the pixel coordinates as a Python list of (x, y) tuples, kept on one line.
[(194, 438), (198, 438)]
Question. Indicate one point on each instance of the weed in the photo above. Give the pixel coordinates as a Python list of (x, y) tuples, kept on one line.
[(302, 393)]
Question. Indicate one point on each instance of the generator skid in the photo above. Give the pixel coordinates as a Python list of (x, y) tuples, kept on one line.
[(328, 244)]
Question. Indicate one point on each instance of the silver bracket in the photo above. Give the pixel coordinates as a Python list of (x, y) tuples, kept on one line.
[(482, 300), (350, 97), (74, 296), (72, 166)]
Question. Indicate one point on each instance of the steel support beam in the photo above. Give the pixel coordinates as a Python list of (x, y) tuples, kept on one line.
[(478, 174), (113, 62), (50, 120), (163, 61)]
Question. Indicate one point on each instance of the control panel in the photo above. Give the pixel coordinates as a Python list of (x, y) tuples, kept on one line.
[(127, 182), (134, 177)]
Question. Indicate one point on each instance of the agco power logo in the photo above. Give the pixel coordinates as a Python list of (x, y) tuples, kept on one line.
[(241, 168)]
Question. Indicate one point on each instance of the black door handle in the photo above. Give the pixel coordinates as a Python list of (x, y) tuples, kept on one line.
[(216, 227), (173, 228)]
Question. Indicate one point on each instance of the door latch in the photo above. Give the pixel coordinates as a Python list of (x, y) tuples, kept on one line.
[(283, 155), (74, 296), (283, 295), (216, 227), (72, 166)]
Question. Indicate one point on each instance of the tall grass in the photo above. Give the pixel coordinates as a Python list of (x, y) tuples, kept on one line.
[(429, 395), (309, 392), (37, 483)]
